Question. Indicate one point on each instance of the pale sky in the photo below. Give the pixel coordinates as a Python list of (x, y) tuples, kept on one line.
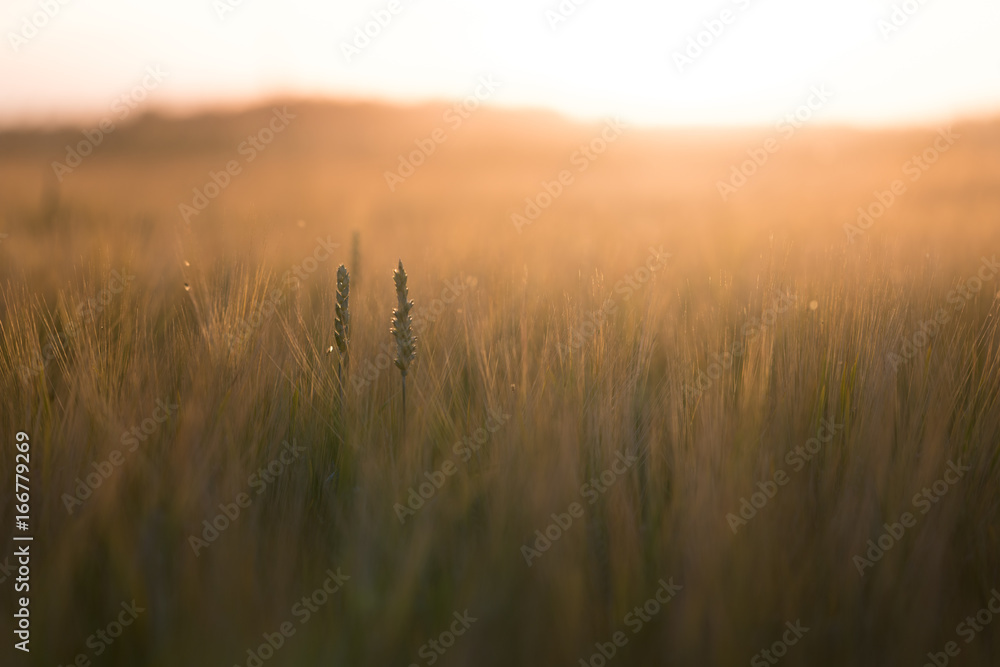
[(609, 57)]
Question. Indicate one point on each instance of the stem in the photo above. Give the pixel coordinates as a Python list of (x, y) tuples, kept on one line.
[(340, 382), (404, 404)]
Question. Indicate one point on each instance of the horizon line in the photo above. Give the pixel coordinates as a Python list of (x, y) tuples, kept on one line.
[(181, 111)]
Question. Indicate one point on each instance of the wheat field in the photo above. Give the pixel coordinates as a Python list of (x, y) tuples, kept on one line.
[(646, 426)]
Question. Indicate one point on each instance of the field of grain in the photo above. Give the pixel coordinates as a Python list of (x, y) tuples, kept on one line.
[(765, 418)]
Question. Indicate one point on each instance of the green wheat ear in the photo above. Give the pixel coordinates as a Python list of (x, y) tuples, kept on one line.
[(402, 325), (402, 330), (342, 324)]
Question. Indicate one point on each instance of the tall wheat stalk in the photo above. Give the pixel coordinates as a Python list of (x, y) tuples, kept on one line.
[(402, 330), (356, 255), (342, 327)]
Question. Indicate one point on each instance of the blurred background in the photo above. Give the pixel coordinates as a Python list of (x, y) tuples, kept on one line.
[(401, 111), (888, 63)]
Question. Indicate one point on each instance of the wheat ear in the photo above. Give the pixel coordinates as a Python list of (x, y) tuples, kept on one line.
[(402, 330), (342, 326)]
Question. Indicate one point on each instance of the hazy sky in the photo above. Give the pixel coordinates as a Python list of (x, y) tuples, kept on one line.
[(608, 57)]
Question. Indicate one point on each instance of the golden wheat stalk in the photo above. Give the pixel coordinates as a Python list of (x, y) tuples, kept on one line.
[(342, 325), (402, 330)]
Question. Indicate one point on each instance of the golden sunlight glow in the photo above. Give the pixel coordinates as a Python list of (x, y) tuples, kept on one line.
[(721, 62)]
